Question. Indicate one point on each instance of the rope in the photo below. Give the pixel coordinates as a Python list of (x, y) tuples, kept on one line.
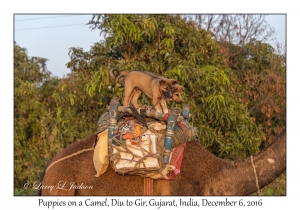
[(159, 99), (138, 162), (69, 156), (259, 192), (184, 133), (158, 102)]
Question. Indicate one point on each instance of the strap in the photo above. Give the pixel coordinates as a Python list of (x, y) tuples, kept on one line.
[(158, 101), (69, 156), (161, 106), (161, 95), (165, 117), (176, 160), (140, 118), (177, 155), (148, 186)]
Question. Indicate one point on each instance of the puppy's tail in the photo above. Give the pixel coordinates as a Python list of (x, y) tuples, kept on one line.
[(117, 75), (114, 73)]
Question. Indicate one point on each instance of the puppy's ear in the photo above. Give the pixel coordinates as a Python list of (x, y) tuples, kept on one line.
[(173, 81), (182, 88), (162, 82)]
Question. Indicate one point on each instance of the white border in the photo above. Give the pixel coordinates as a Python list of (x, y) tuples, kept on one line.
[(118, 6)]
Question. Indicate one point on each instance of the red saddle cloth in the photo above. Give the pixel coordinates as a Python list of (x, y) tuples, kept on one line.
[(176, 160)]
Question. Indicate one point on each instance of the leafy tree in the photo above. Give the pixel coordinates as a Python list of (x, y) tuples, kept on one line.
[(155, 42), (259, 68), (262, 80), (32, 119), (231, 95), (174, 47), (234, 32)]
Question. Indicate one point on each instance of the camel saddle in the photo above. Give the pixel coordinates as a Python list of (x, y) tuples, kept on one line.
[(134, 149)]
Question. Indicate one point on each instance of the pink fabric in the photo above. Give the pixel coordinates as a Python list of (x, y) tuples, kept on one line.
[(176, 161)]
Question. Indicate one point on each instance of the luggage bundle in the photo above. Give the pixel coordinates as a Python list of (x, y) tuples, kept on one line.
[(152, 147)]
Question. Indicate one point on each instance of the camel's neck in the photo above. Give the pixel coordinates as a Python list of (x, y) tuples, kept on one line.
[(239, 177), (197, 169), (206, 174)]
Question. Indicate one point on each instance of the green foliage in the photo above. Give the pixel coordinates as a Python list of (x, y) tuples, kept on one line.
[(31, 69), (261, 73), (174, 47), (255, 55), (163, 42), (32, 145), (277, 187), (224, 124)]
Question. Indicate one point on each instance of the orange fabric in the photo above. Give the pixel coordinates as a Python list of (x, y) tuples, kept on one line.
[(128, 136), (148, 186), (165, 117)]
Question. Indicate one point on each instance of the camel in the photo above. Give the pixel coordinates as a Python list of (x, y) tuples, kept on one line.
[(202, 173)]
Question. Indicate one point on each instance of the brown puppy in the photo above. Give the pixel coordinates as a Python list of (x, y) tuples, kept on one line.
[(176, 91), (136, 82)]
